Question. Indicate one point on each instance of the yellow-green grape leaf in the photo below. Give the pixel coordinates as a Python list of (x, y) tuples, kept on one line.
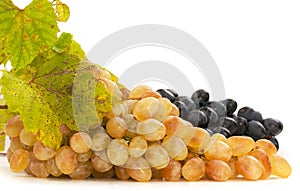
[(27, 32), (37, 115), (63, 11), (2, 142), (91, 99)]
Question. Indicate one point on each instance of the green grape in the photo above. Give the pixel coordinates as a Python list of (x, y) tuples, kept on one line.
[(82, 171), (249, 167), (14, 126), (100, 141), (218, 170), (131, 124), (138, 169), (217, 150), (27, 138), (100, 162), (137, 92), (263, 158), (280, 166), (37, 168), (15, 144), (121, 173), (137, 146), (52, 168), (83, 157), (193, 169), (157, 157), (65, 160), (42, 152), (167, 104), (19, 160), (117, 152), (175, 147), (116, 127), (172, 172), (151, 130), (266, 145), (240, 145), (81, 142)]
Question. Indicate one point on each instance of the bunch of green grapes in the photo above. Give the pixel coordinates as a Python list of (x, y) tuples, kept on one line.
[(144, 138)]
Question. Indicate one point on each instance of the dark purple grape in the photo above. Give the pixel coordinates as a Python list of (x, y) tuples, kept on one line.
[(210, 132), (230, 124), (200, 98), (175, 94), (245, 112), (212, 117), (230, 105), (183, 110), (166, 94), (242, 125), (256, 130), (249, 114), (222, 130), (273, 126), (189, 103), (218, 107), (197, 118), (275, 142)]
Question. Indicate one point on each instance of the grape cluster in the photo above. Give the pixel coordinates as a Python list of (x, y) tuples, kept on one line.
[(220, 117), (144, 138)]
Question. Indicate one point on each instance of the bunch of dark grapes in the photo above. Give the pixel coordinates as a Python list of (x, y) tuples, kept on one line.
[(220, 116)]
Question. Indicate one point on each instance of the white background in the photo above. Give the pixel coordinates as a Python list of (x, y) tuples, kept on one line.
[(256, 45)]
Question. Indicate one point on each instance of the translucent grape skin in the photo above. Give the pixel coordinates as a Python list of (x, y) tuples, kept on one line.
[(121, 173), (138, 169), (52, 168), (151, 130), (27, 138), (82, 171), (218, 170), (137, 146), (14, 126), (101, 163), (116, 127), (83, 157), (100, 141), (117, 152), (42, 152), (266, 145), (137, 92), (37, 168), (280, 166), (218, 150), (175, 147), (249, 167), (19, 160), (15, 144), (263, 158), (193, 169), (232, 164), (157, 156), (240, 145), (172, 172), (65, 159), (80, 142)]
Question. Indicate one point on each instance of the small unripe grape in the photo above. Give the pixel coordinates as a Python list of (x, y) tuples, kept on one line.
[(249, 167), (218, 170), (193, 169), (151, 130), (117, 152), (240, 145), (138, 169), (137, 146), (172, 172), (116, 127), (81, 142), (42, 152), (263, 158), (100, 141), (266, 145), (52, 168), (65, 160), (27, 138), (82, 171), (19, 160), (218, 150), (121, 173), (14, 126), (100, 162), (157, 157), (280, 166)]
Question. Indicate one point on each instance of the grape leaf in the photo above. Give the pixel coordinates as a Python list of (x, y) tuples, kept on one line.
[(2, 142), (37, 115), (27, 32), (63, 11)]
